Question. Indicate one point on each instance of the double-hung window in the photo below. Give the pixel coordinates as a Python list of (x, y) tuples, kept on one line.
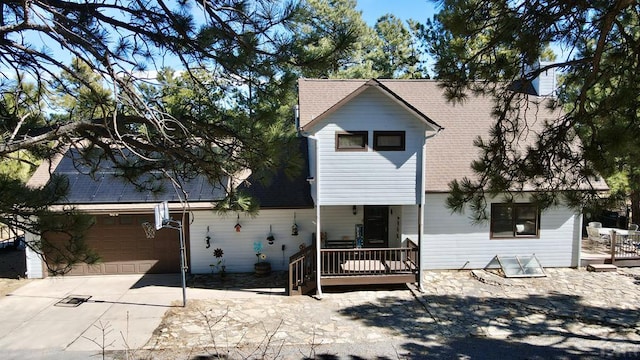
[(515, 220)]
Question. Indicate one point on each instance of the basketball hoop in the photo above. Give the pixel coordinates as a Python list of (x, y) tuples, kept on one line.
[(149, 230), (161, 212)]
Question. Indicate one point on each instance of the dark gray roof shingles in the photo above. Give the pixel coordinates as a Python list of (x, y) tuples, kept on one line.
[(104, 187)]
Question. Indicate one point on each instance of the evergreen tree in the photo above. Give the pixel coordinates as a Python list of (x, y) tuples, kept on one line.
[(491, 47), (390, 49), (239, 55), (398, 53)]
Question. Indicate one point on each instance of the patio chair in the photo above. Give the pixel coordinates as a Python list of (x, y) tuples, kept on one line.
[(595, 224), (633, 227), (595, 239)]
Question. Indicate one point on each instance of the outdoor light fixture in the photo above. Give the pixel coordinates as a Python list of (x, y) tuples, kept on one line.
[(354, 209)]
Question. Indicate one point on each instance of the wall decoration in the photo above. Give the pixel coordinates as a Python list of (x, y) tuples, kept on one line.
[(294, 227)]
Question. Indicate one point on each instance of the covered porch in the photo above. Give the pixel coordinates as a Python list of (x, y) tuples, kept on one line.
[(362, 245), (355, 266)]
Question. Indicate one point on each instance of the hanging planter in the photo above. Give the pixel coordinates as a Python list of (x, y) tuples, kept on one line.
[(270, 238)]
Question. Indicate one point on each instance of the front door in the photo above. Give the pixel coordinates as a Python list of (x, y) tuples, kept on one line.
[(376, 226)]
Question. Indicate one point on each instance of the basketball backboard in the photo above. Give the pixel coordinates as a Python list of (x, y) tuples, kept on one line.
[(161, 212)]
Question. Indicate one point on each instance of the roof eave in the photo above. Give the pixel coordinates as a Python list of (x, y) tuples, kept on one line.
[(385, 90)]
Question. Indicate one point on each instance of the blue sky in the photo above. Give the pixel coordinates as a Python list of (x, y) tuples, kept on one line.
[(419, 10)]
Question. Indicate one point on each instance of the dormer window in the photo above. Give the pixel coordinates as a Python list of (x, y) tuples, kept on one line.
[(389, 140), (352, 141)]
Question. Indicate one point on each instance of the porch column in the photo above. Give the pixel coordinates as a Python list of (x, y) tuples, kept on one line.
[(420, 239), (318, 219), (423, 195), (318, 253)]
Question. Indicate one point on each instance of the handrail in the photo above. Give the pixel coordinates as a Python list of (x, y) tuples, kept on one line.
[(369, 261), (624, 247), (413, 255), (301, 253), (301, 269)]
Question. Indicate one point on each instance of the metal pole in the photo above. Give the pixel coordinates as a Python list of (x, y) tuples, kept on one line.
[(182, 266)]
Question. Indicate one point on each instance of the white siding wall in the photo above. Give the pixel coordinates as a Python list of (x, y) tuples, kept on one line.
[(238, 246), (395, 226), (370, 178), (410, 223), (35, 268), (452, 242), (339, 222)]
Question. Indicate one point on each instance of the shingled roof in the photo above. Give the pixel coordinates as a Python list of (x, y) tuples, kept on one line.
[(283, 192), (450, 153), (105, 187), (334, 101)]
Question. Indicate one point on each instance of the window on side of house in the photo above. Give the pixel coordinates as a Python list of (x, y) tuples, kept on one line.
[(352, 141), (389, 140), (515, 220)]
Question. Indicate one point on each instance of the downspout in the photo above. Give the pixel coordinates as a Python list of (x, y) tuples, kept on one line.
[(318, 223), (423, 196), (577, 252)]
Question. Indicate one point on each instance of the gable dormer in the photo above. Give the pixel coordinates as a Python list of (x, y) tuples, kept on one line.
[(367, 142)]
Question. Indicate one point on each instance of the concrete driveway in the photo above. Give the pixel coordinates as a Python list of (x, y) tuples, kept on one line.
[(120, 313)]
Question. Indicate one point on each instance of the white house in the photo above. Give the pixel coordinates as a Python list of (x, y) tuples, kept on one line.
[(381, 154)]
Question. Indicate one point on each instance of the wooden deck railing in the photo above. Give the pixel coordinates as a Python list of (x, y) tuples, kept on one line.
[(362, 266), (371, 261), (625, 247), (368, 265), (302, 274)]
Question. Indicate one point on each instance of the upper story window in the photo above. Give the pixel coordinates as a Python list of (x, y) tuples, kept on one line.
[(389, 140), (515, 220), (352, 141)]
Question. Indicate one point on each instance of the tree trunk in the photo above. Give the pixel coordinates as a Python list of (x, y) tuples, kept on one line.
[(635, 206)]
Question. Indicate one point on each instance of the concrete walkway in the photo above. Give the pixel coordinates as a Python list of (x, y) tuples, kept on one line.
[(569, 314), (37, 323)]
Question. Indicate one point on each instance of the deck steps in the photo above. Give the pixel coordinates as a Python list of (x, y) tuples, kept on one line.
[(602, 267)]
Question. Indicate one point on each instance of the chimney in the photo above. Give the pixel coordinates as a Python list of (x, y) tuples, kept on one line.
[(545, 84)]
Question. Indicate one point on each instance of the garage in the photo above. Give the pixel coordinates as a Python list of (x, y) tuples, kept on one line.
[(120, 241), (119, 208)]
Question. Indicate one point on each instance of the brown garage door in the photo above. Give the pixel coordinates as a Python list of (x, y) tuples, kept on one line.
[(123, 248)]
